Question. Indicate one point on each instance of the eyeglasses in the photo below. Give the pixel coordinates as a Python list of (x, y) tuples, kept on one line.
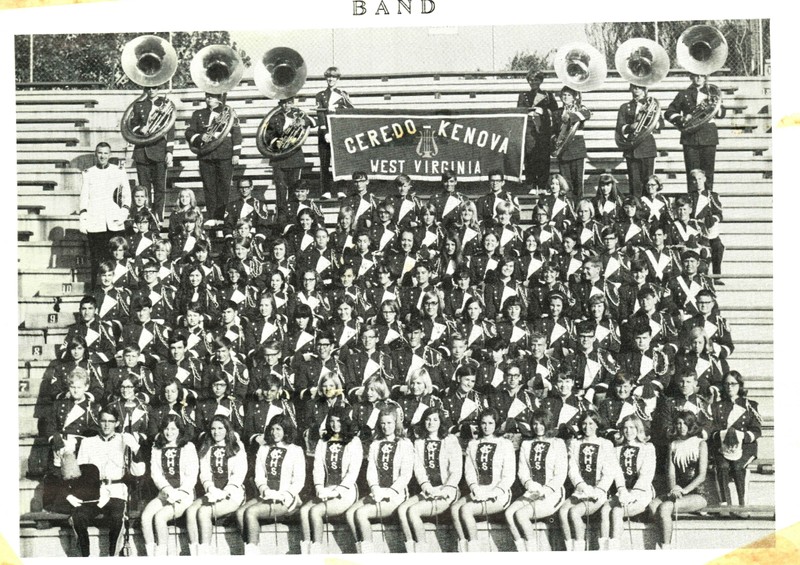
[(125, 387), (513, 374), (388, 311), (326, 344), (495, 181), (149, 271), (107, 421), (432, 303)]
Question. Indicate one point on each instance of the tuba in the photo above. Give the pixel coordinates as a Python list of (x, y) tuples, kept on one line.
[(149, 60), (217, 69), (641, 62), (281, 74), (581, 67), (701, 50)]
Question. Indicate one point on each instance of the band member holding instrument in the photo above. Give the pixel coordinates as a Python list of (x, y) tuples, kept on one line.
[(152, 159), (572, 115), (700, 144), (540, 106), (641, 158), (106, 452), (328, 100), (216, 166), (284, 129)]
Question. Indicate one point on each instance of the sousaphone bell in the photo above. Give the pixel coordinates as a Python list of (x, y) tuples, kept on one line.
[(149, 60), (581, 67), (702, 50), (280, 74), (217, 69), (641, 62)]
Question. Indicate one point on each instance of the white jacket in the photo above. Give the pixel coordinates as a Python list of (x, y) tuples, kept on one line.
[(97, 199)]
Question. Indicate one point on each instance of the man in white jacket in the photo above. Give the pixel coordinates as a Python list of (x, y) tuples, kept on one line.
[(104, 204)]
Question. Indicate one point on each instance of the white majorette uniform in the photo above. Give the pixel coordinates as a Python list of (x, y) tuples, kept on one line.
[(637, 462), (336, 467), (218, 470), (592, 462), (281, 467), (490, 468), (544, 461), (391, 464), (439, 462), (175, 467)]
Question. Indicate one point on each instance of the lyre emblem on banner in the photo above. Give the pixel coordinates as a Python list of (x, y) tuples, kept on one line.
[(427, 148)]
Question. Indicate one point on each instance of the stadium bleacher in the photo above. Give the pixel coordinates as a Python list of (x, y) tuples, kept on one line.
[(57, 131)]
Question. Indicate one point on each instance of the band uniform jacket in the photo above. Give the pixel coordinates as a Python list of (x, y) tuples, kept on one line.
[(329, 99), (565, 118), (183, 410), (106, 198), (668, 407), (564, 413), (312, 415), (464, 408), (151, 337), (487, 206), (99, 337), (717, 331), (538, 125), (738, 416), (593, 371), (189, 371), (259, 414), (406, 360), (199, 124), (158, 149), (685, 102), (71, 418), (227, 406), (278, 124), (627, 115)]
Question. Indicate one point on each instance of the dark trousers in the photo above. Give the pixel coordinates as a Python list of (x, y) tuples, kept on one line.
[(87, 514), (717, 251), (153, 176), (325, 175), (99, 252), (700, 157), (283, 179), (572, 171), (217, 175), (638, 171), (537, 169)]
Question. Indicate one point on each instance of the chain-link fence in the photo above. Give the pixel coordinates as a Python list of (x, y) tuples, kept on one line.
[(93, 60)]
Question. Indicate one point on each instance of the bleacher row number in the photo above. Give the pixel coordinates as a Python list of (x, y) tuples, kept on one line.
[(24, 386), (66, 288), (52, 318), (36, 350), (80, 260)]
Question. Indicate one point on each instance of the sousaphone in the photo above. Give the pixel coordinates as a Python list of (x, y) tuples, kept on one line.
[(641, 62), (582, 68), (702, 50), (149, 60), (280, 74), (217, 69)]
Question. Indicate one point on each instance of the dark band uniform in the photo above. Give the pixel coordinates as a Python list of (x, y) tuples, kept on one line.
[(151, 158)]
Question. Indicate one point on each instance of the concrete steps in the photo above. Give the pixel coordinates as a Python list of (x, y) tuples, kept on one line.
[(285, 539)]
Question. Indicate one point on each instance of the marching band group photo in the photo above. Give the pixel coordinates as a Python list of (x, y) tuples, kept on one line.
[(426, 358)]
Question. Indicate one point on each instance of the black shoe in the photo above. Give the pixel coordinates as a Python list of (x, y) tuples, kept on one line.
[(719, 282)]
